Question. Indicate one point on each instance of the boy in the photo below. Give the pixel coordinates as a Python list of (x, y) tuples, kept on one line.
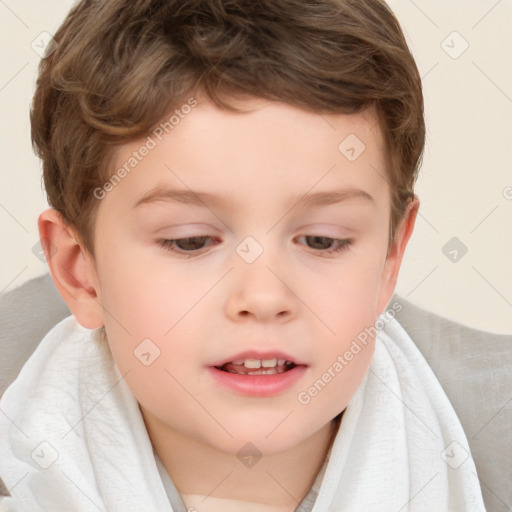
[(232, 193)]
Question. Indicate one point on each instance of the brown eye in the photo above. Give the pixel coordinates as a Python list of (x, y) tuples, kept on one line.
[(191, 244), (325, 244), (319, 242), (185, 247)]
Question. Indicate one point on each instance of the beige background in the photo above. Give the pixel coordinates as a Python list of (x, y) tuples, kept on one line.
[(465, 185)]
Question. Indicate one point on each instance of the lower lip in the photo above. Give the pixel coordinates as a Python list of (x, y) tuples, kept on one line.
[(258, 385)]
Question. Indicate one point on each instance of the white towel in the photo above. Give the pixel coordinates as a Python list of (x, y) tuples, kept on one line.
[(72, 437)]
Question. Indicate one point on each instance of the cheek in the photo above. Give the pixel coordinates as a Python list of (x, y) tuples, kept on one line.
[(349, 308), (345, 355), (347, 299), (144, 292)]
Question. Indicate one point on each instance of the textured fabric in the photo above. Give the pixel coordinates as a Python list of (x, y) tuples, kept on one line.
[(400, 445), (27, 313), (72, 436), (475, 370)]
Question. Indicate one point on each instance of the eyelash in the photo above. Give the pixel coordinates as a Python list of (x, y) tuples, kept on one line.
[(168, 245)]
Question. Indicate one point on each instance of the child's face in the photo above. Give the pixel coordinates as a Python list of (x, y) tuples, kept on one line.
[(294, 299)]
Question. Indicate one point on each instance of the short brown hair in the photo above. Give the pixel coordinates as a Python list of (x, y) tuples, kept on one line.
[(119, 65)]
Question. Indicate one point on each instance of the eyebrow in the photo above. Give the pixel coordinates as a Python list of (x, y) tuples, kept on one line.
[(202, 199)]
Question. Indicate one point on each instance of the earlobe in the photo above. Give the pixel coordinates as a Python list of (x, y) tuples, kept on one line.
[(396, 253), (72, 269)]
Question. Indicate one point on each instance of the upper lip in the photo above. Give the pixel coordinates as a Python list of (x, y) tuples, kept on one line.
[(259, 355)]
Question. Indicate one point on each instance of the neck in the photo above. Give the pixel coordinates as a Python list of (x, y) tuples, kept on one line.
[(209, 479)]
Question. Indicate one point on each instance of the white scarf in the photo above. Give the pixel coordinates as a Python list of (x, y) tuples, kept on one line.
[(72, 437)]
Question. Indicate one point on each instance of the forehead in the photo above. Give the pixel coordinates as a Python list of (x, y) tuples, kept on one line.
[(276, 125), (268, 149)]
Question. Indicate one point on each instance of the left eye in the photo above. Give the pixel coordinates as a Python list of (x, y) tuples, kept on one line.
[(316, 241)]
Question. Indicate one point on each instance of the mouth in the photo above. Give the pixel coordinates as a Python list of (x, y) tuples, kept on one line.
[(258, 374), (257, 366)]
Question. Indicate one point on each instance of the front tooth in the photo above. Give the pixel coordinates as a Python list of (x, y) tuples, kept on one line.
[(252, 363), (268, 363)]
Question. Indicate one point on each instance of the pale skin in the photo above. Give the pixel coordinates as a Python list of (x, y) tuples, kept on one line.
[(294, 297)]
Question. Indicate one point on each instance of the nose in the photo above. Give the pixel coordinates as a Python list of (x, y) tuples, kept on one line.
[(260, 291)]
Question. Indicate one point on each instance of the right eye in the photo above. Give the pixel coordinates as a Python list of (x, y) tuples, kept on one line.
[(184, 246)]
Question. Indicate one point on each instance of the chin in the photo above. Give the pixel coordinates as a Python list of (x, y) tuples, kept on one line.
[(261, 434)]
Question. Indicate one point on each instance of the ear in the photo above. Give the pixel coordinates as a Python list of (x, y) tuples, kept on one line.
[(396, 253), (72, 268)]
